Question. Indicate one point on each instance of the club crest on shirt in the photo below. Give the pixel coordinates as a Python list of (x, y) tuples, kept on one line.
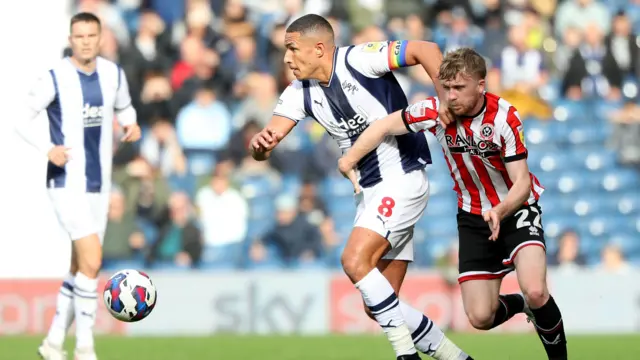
[(486, 132)]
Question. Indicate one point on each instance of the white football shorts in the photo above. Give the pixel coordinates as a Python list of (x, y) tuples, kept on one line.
[(80, 213), (391, 208)]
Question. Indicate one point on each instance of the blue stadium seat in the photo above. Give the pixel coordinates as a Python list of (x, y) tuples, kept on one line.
[(342, 206), (555, 225), (335, 186), (620, 179), (554, 161), (291, 184), (200, 161), (580, 135), (627, 202), (443, 225), (539, 133), (258, 186), (261, 208), (571, 181), (442, 204), (603, 225), (258, 227), (593, 160), (566, 110)]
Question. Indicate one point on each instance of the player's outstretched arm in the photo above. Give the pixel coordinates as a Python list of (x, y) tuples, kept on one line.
[(266, 140), (392, 124)]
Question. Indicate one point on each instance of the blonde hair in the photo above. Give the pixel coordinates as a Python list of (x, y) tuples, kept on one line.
[(462, 61)]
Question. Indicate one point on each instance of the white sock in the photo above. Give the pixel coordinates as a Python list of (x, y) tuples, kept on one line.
[(85, 301), (383, 303), (64, 313), (427, 336)]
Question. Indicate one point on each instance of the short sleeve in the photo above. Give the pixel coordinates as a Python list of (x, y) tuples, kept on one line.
[(123, 98), (422, 115), (371, 59), (512, 134), (42, 92), (291, 102)]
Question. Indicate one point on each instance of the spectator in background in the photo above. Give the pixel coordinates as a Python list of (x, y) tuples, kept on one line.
[(570, 41), (192, 52), (109, 15), (241, 139), (519, 72), (613, 260), (580, 13), (122, 239), (593, 70), (162, 150), (146, 192), (180, 241), (460, 33), (294, 238), (155, 99), (622, 45), (223, 212), (260, 102), (203, 128), (568, 256), (626, 132)]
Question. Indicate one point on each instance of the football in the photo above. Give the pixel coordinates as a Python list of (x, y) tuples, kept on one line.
[(130, 295)]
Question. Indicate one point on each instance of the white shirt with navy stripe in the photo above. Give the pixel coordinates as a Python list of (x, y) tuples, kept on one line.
[(81, 109), (361, 90)]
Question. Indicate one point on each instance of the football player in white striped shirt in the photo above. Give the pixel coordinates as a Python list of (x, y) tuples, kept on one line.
[(345, 89), (81, 95), (487, 157)]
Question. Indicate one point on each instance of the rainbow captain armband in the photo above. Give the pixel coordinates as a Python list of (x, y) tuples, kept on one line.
[(397, 54)]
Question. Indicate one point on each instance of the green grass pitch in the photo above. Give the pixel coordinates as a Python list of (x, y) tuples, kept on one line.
[(336, 347)]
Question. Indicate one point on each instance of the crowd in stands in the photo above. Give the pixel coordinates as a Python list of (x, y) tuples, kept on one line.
[(205, 76)]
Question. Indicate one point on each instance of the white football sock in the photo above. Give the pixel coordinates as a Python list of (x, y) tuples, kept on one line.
[(383, 303), (64, 313), (85, 301), (427, 336)]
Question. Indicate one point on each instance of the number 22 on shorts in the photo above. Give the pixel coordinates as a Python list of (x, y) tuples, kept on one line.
[(386, 207)]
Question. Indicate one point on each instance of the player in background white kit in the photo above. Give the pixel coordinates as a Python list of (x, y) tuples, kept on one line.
[(81, 95), (345, 89)]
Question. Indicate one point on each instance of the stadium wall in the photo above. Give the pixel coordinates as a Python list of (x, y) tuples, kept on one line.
[(312, 303)]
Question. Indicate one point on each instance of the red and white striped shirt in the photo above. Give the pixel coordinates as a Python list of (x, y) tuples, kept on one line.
[(476, 150)]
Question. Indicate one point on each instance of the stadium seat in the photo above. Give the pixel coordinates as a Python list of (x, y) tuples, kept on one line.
[(258, 227), (336, 186), (566, 110), (258, 186), (603, 225), (200, 161), (342, 207), (261, 208), (620, 179), (291, 184), (627, 242), (554, 161), (627, 202), (571, 181), (554, 226), (593, 160), (438, 247)]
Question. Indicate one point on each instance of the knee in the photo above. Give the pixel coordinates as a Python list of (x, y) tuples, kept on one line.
[(536, 295), (481, 319), (354, 266)]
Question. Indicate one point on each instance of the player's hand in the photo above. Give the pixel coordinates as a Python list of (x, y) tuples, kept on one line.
[(132, 133), (445, 115), (266, 140), (492, 218), (59, 155), (346, 168)]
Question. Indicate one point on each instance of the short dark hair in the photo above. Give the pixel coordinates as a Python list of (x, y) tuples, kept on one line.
[(464, 61), (84, 17), (310, 23)]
